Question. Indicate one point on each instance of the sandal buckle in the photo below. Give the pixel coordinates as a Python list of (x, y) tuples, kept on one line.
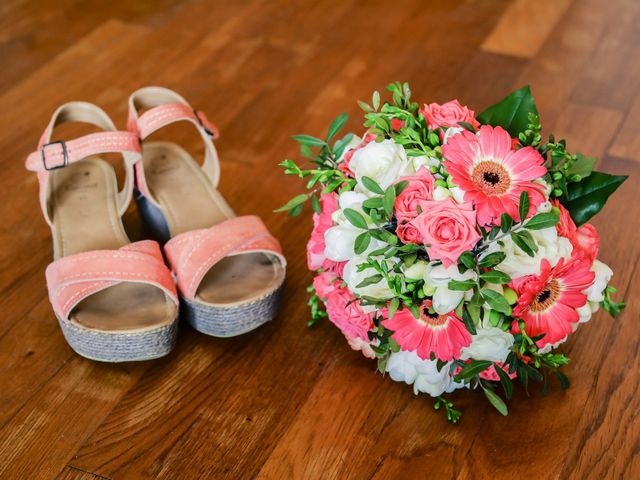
[(65, 155)]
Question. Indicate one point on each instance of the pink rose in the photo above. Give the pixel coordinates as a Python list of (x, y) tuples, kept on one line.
[(325, 283), (345, 313), (586, 242), (321, 223), (565, 227), (491, 374), (344, 166), (448, 115), (448, 229), (408, 233), (419, 188)]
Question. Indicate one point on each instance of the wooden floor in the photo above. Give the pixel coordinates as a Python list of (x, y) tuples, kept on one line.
[(286, 401)]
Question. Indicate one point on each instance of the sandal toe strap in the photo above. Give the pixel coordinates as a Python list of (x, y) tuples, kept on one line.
[(73, 278), (192, 254)]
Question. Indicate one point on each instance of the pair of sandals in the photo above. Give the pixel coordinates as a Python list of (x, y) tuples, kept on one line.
[(115, 300)]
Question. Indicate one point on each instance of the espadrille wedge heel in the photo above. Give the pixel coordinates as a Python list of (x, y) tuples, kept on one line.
[(229, 270), (115, 300)]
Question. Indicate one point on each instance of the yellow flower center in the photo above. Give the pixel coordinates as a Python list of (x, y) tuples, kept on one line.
[(491, 177)]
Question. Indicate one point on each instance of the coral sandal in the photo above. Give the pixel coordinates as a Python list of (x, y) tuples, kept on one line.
[(229, 269), (114, 300)]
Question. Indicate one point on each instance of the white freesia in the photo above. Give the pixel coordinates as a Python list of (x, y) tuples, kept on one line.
[(595, 293), (585, 313), (489, 343), (353, 278), (441, 193), (544, 207), (517, 263), (552, 346), (383, 162), (450, 132), (458, 194), (425, 161), (437, 278), (339, 241), (416, 271), (408, 367), (353, 143)]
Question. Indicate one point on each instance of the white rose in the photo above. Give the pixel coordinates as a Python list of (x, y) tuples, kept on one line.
[(353, 143), (383, 162), (489, 343), (353, 278), (437, 277), (595, 293), (408, 367), (585, 313), (517, 263)]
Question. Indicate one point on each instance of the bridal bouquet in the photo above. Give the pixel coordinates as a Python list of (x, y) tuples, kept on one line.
[(452, 247)]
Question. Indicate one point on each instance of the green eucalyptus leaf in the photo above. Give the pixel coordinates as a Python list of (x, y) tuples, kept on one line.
[(336, 125), (461, 285), (309, 140), (542, 220), (525, 242), (372, 280), (361, 243), (493, 259), (355, 218), (472, 369), (294, 202), (495, 276), (389, 200), (505, 380), (496, 401), (524, 205), (512, 113), (372, 185), (496, 301)]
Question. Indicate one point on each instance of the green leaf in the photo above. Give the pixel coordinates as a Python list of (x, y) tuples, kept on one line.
[(562, 378), (542, 220), (472, 369), (393, 307), (295, 211), (372, 185), (525, 242), (315, 205), (506, 222), (361, 243), (587, 197), (468, 259), (512, 113), (375, 100), (505, 380), (524, 205), (294, 202), (365, 106), (375, 202), (496, 301), (461, 285), (496, 401), (372, 280), (495, 276), (493, 259), (468, 322), (355, 218), (583, 166), (309, 140), (389, 200), (336, 125)]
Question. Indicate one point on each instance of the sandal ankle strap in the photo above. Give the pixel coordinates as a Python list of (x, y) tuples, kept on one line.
[(164, 107), (52, 155)]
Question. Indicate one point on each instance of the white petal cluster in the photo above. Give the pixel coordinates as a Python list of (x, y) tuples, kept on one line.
[(408, 367), (383, 162), (489, 343), (353, 278), (517, 263), (437, 278)]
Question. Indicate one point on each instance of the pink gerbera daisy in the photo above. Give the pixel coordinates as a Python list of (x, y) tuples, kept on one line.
[(442, 335), (493, 174), (547, 302)]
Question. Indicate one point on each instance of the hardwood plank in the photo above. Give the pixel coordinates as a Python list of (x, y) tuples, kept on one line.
[(71, 473), (626, 144), (524, 27)]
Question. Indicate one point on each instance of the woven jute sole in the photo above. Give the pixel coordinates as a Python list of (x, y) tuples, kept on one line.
[(231, 321), (120, 346)]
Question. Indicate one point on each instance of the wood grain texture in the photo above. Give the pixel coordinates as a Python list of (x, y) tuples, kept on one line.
[(285, 401)]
